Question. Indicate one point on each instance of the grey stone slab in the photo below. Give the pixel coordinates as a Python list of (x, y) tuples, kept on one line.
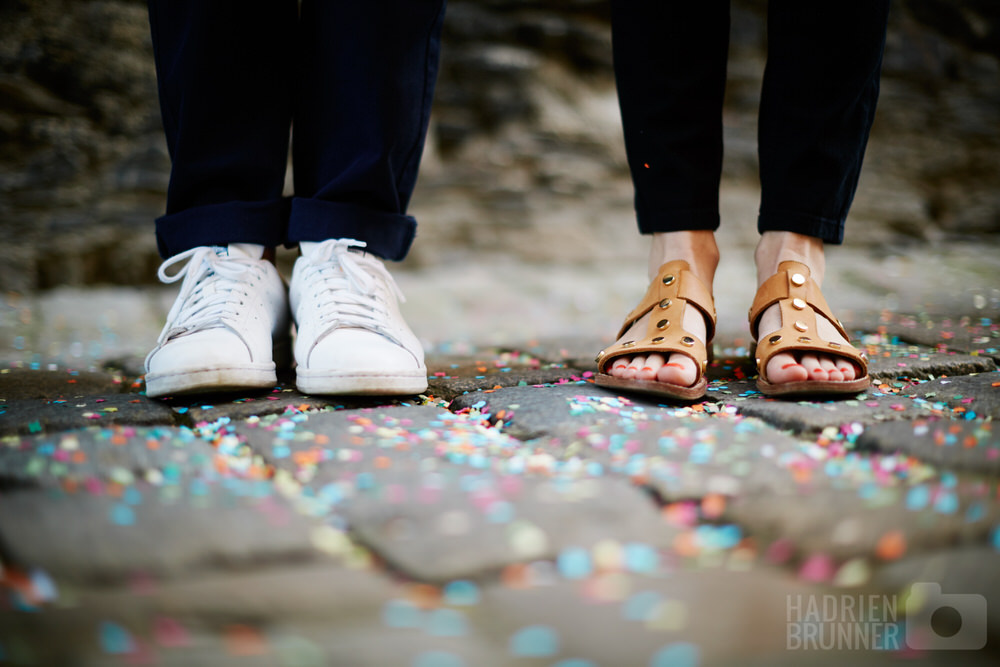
[(532, 412), (351, 439), (713, 616), (924, 363), (191, 621), (978, 394), (730, 391), (450, 386), (446, 526), (959, 573), (854, 512), (812, 416), (952, 445), (114, 533), (119, 453), (23, 383), (30, 417), (966, 333), (679, 458)]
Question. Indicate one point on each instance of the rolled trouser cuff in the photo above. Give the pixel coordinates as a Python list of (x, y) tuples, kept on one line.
[(221, 224), (388, 235), (828, 230)]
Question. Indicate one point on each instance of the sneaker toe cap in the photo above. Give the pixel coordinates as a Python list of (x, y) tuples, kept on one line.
[(359, 350), (205, 349)]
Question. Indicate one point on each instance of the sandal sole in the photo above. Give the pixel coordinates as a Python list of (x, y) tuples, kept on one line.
[(655, 388), (813, 388)]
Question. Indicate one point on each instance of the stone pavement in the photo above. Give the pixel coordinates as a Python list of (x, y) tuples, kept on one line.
[(516, 514)]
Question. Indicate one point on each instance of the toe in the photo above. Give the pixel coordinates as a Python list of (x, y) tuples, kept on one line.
[(654, 363), (619, 366), (813, 368), (679, 370), (832, 373), (784, 368), (846, 369), (634, 367)]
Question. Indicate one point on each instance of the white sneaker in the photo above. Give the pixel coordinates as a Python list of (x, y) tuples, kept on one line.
[(351, 337), (226, 328)]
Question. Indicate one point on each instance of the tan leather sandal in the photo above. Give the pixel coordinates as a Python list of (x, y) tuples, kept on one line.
[(800, 300), (674, 288)]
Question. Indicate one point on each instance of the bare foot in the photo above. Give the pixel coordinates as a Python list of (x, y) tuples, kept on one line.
[(698, 248), (777, 247)]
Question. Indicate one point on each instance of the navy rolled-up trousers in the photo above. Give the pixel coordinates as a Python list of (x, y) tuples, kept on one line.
[(349, 82), (817, 106)]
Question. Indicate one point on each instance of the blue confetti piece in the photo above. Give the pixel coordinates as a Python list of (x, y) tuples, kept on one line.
[(446, 623), (575, 662), (401, 614), (641, 557), (115, 639), (534, 641), (594, 469), (996, 538), (122, 515), (574, 563), (461, 593), (182, 410), (947, 503), (331, 494), (641, 606), (500, 512), (917, 498), (975, 513), (132, 496), (280, 451), (700, 453), (478, 404), (364, 480), (681, 654), (437, 659), (43, 586)]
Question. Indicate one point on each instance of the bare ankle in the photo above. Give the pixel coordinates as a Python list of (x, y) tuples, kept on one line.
[(777, 247), (696, 247)]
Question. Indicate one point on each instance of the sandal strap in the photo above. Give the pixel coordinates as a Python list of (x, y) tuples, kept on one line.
[(674, 288), (800, 300)]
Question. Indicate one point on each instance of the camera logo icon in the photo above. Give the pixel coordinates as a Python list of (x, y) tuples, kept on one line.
[(939, 621)]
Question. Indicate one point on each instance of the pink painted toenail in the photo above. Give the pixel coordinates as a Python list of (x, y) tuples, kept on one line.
[(675, 366), (818, 370), (787, 366), (647, 368)]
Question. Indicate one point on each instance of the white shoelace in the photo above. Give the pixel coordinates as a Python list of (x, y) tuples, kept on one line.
[(212, 291), (344, 284)]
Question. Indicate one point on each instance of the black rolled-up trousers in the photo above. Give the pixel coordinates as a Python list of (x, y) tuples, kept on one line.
[(817, 106), (353, 81)]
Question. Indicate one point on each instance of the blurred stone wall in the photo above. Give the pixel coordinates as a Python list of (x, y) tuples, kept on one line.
[(525, 128)]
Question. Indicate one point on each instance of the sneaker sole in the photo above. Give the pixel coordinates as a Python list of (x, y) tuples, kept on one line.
[(210, 380), (362, 384)]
